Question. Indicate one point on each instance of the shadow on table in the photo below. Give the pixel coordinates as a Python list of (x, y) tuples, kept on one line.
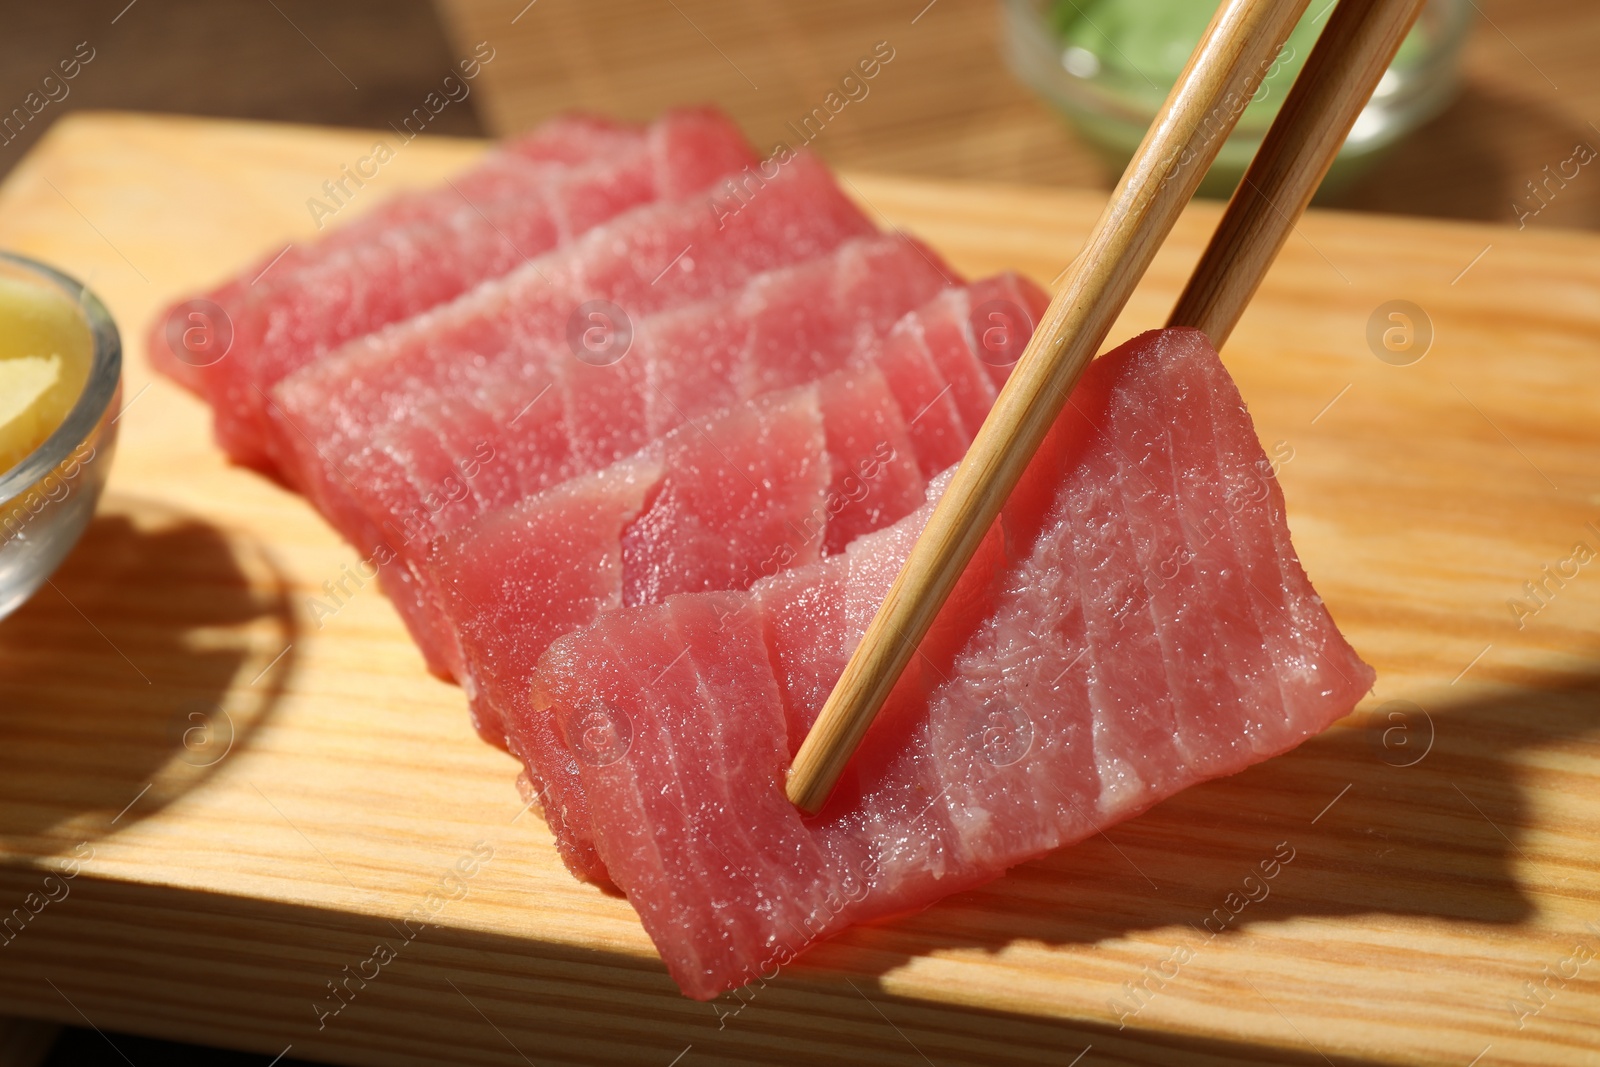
[(260, 975), (1404, 811), (1449, 169), (152, 654), (82, 1047), (1423, 822)]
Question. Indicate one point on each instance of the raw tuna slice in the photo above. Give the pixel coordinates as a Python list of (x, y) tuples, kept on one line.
[(585, 300), (945, 366), (509, 172), (872, 476), (688, 513), (783, 328), (513, 171), (715, 504), (1138, 622), (552, 416), (405, 270)]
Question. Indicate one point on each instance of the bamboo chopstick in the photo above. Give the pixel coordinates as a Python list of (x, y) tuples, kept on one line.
[(1223, 73), (1339, 77)]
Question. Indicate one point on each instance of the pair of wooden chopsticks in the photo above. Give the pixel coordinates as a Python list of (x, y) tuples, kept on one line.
[(1226, 69)]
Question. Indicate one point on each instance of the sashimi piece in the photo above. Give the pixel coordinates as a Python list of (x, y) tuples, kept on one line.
[(1030, 723), (520, 324), (945, 374), (715, 504), (505, 613), (390, 488), (783, 328), (412, 270), (651, 259), (510, 171), (695, 510), (513, 171), (404, 270), (732, 486), (947, 340), (873, 478)]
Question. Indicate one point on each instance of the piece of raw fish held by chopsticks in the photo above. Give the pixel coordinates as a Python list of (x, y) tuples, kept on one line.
[(1356, 47), (1070, 682)]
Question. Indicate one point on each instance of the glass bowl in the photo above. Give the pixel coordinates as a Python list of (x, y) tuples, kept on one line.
[(47, 500), (1107, 66)]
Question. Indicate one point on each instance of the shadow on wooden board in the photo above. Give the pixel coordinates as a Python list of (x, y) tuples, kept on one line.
[(1447, 169), (460, 997), (1412, 812), (161, 610), (1402, 810)]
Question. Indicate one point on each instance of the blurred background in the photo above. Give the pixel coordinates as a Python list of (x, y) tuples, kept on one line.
[(1486, 100), (949, 104)]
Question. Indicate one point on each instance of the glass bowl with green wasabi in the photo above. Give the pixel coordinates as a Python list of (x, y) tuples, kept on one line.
[(1107, 66), (60, 377)]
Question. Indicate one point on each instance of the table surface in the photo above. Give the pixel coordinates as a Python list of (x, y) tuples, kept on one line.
[(261, 797), (946, 106)]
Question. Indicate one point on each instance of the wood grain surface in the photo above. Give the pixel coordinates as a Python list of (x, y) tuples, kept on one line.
[(948, 107), (251, 802)]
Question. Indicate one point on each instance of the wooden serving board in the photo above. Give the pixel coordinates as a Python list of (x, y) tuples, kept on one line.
[(259, 794)]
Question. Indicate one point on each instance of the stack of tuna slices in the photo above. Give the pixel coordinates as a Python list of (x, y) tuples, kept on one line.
[(639, 427)]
